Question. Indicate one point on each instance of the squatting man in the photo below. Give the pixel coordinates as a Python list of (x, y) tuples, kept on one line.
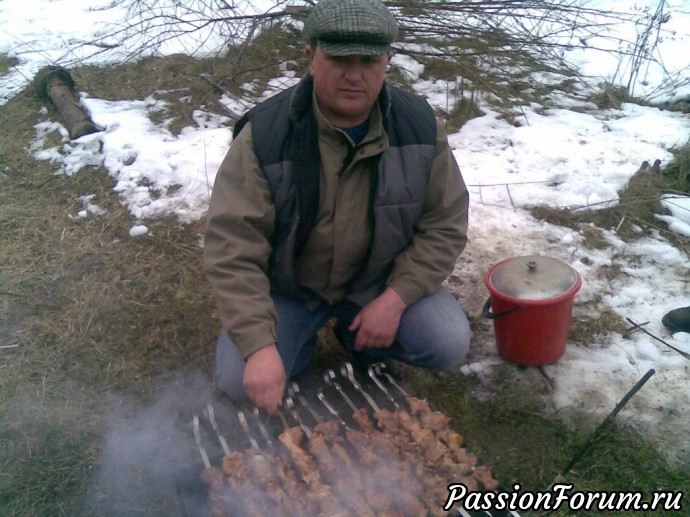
[(339, 198)]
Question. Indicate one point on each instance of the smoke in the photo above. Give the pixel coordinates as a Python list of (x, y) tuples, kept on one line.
[(145, 448), (151, 465)]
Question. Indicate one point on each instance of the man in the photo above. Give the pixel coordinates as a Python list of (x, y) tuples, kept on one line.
[(339, 198)]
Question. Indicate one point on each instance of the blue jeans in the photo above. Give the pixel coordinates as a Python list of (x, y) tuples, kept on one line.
[(434, 333)]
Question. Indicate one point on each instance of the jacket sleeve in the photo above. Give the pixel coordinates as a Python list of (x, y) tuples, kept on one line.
[(237, 247), (441, 233)]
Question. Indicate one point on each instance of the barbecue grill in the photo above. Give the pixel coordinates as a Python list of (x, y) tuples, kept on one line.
[(343, 444)]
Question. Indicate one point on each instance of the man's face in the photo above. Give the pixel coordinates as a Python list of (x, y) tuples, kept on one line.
[(346, 86)]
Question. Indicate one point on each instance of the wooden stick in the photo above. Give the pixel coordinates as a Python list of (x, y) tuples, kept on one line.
[(7, 293), (56, 83)]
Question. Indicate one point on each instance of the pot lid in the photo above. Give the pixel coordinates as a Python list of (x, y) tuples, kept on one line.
[(533, 277)]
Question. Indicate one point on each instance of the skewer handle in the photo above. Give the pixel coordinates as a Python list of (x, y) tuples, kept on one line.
[(347, 371), (295, 414), (293, 391), (331, 409), (329, 378), (374, 377), (380, 369)]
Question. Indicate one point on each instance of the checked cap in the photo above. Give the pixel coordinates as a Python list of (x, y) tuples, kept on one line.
[(351, 27)]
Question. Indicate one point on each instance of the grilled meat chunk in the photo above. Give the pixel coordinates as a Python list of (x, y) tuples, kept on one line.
[(483, 474), (395, 464)]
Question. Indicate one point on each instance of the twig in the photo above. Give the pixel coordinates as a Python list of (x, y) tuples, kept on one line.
[(620, 224), (6, 293), (9, 346), (214, 85), (509, 184), (603, 425), (194, 250), (677, 194), (510, 196), (639, 327), (614, 203), (548, 379), (679, 240)]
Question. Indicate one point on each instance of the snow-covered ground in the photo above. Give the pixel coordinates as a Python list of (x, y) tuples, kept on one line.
[(557, 156)]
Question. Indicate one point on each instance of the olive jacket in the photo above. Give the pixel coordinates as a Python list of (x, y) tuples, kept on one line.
[(389, 213)]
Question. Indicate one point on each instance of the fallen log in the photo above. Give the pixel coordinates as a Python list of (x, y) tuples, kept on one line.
[(56, 84)]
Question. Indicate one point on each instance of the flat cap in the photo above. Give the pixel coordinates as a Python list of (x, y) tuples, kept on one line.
[(351, 27)]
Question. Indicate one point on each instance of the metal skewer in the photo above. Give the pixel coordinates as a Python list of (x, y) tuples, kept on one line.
[(463, 512), (328, 378), (245, 426), (212, 419), (262, 427), (380, 369), (358, 446), (293, 391), (283, 420), (374, 377), (330, 408), (290, 404), (197, 437), (347, 371)]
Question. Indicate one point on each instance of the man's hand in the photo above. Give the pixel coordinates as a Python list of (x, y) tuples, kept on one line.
[(264, 378), (378, 321)]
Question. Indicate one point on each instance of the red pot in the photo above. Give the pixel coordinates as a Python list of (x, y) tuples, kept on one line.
[(531, 306)]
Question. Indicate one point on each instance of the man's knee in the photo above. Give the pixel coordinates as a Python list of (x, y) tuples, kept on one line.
[(436, 333), (229, 369), (453, 354), (442, 351)]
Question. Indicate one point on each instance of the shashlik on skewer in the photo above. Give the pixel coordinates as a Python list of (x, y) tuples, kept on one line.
[(395, 464)]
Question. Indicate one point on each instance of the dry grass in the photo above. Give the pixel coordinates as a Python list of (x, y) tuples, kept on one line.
[(678, 173), (88, 311), (610, 96), (6, 63), (583, 328), (635, 213)]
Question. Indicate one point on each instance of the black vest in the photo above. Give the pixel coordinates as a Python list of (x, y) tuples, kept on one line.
[(285, 141)]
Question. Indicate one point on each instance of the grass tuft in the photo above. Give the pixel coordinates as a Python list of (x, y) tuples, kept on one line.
[(610, 96), (7, 62), (583, 328), (635, 215), (677, 174)]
